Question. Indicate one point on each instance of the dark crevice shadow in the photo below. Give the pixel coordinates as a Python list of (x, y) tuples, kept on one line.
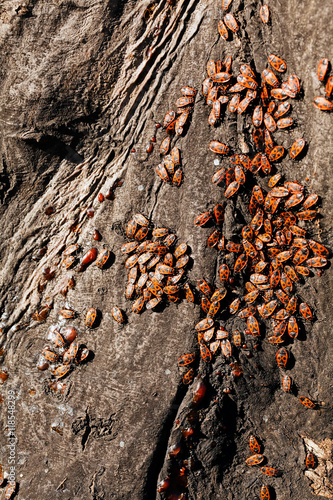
[(159, 454)]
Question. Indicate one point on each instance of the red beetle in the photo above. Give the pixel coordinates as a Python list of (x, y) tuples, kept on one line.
[(224, 273), (102, 258), (184, 101), (264, 492), (318, 249), (218, 147), (219, 176), (255, 459), (322, 69), (231, 189), (117, 315), (188, 293), (282, 357), (264, 14), (71, 249), (138, 304), (205, 353), (305, 311), (10, 490), (188, 91), (270, 78), (237, 339), (297, 148), (282, 109), (293, 83), (310, 462), (219, 214), (329, 87), (213, 239), (285, 122), (91, 317), (68, 262), (269, 122), (253, 326), (186, 359), (286, 383), (239, 175), (202, 219), (310, 201), (277, 63), (276, 153), (270, 471), (231, 22), (254, 445), (177, 177), (257, 116), (225, 4), (204, 324), (49, 355), (188, 377), (165, 145), (233, 308), (204, 287), (211, 68), (240, 263), (61, 371), (234, 103), (67, 313), (307, 402)]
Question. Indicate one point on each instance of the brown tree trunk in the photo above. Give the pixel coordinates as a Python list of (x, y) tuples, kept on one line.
[(82, 83)]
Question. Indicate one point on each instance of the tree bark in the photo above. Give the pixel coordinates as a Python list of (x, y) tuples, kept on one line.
[(82, 84)]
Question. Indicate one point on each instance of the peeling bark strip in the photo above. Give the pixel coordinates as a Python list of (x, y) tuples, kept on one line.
[(82, 84)]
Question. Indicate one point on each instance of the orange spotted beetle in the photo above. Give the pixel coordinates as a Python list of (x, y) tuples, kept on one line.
[(282, 357), (91, 317), (254, 445), (286, 383), (310, 462), (205, 353), (204, 287), (255, 459), (297, 148), (253, 326), (188, 377), (264, 14), (322, 69), (270, 471), (277, 63), (305, 311), (204, 324), (117, 314), (264, 493), (231, 22), (202, 219), (165, 145), (102, 258), (61, 371), (233, 307), (307, 402), (270, 78)]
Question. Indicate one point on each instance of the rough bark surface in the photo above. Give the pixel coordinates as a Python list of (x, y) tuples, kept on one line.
[(78, 91)]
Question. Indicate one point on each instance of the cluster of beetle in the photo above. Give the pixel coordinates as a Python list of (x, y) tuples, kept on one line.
[(66, 353), (229, 21), (275, 252), (157, 270), (272, 257), (169, 170)]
